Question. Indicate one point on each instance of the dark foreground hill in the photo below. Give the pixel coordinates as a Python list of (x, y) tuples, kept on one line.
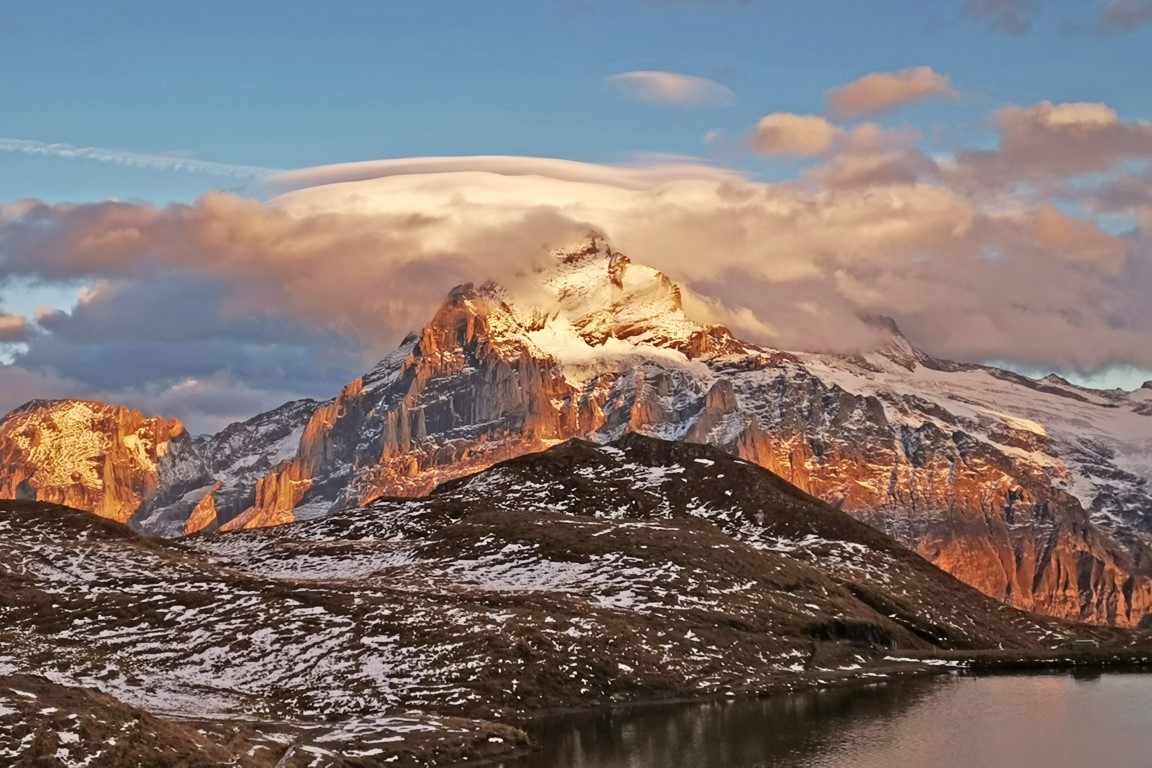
[(405, 632)]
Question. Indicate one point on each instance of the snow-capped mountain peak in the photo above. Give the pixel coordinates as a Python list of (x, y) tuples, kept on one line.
[(596, 303)]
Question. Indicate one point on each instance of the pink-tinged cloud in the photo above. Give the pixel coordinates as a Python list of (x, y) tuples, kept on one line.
[(871, 156), (882, 92), (1014, 17), (790, 135), (1124, 15), (1079, 242), (1049, 142), (13, 328), (880, 169), (672, 89), (1129, 193)]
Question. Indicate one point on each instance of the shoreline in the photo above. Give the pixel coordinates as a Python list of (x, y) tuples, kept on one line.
[(909, 666)]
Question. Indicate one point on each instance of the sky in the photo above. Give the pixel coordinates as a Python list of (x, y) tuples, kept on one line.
[(193, 220)]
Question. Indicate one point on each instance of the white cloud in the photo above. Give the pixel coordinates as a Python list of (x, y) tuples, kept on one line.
[(630, 176)]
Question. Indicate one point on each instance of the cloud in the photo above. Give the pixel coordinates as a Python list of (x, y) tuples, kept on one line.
[(18, 385), (1124, 15), (133, 159), (13, 328), (882, 92), (292, 297), (1014, 17), (1079, 242), (787, 134), (1128, 193), (713, 136), (204, 405), (872, 156), (1046, 142), (629, 176), (672, 89)]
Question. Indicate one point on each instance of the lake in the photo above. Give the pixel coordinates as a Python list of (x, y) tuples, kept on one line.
[(1018, 721)]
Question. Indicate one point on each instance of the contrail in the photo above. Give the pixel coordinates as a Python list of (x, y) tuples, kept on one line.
[(134, 159)]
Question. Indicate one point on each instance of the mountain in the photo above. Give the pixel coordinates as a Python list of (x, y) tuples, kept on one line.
[(1035, 492), (97, 457), (119, 464), (231, 464), (398, 632)]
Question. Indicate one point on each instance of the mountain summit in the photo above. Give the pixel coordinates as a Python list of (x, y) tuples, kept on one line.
[(1035, 492)]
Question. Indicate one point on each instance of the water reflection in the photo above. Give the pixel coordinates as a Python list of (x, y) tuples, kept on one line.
[(1017, 721)]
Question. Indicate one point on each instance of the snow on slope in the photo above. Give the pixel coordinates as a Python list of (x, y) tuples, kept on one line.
[(1095, 444)]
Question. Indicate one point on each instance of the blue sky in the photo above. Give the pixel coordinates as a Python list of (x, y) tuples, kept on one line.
[(292, 84), (183, 99)]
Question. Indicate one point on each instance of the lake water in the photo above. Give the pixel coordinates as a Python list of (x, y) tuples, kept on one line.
[(1047, 721)]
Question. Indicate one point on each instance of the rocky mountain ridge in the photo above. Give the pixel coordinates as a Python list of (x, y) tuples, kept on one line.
[(1036, 492)]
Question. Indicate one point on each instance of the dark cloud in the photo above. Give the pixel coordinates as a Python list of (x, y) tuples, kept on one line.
[(18, 385), (114, 364)]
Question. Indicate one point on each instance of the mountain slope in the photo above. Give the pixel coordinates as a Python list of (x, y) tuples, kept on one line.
[(580, 575)]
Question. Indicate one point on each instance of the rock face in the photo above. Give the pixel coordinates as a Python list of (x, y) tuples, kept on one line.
[(221, 475), (101, 458), (990, 507), (1035, 492)]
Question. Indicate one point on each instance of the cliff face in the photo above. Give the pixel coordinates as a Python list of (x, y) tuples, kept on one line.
[(1035, 492), (100, 458), (990, 513), (219, 475)]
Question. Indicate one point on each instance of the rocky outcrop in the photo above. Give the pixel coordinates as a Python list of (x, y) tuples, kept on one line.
[(204, 514), (100, 458)]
